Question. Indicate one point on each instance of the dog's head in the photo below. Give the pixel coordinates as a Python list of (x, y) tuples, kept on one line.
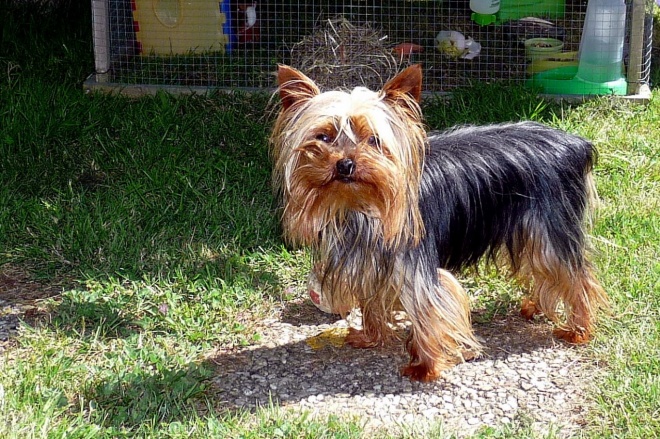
[(341, 152)]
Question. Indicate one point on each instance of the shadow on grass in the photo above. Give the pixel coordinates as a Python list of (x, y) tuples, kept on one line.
[(102, 319), (219, 305), (146, 396)]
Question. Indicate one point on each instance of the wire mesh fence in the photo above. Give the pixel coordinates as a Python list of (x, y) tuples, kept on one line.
[(238, 43)]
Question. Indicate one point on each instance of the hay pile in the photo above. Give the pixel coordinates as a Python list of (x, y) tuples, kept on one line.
[(339, 54)]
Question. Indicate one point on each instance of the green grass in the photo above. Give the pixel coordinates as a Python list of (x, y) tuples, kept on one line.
[(628, 227), (155, 215)]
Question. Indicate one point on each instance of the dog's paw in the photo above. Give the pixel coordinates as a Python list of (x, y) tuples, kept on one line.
[(420, 372), (528, 309), (358, 339), (570, 336)]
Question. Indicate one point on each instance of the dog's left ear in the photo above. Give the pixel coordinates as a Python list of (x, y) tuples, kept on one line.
[(408, 82), (294, 86)]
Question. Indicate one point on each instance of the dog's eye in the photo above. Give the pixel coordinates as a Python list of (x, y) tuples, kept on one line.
[(323, 137), (373, 141)]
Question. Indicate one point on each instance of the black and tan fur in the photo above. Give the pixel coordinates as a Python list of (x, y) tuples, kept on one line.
[(390, 211)]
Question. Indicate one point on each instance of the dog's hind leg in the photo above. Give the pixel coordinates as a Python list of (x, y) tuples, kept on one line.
[(583, 297), (560, 273)]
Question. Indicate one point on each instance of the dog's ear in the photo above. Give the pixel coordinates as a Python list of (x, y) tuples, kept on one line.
[(408, 83), (294, 86)]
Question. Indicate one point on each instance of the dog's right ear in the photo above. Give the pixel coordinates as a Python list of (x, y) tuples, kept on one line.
[(408, 83), (295, 87)]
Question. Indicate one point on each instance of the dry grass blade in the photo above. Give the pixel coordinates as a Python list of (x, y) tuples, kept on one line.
[(339, 54)]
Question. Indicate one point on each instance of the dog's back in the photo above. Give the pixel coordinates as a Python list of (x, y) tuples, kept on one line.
[(485, 188)]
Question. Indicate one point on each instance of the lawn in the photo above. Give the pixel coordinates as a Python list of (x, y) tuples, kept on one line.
[(137, 236)]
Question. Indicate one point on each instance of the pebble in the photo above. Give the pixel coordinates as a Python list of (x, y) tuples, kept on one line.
[(9, 319)]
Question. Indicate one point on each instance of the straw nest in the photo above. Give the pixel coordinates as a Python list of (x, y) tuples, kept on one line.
[(339, 54)]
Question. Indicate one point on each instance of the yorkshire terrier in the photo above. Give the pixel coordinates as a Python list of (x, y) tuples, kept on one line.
[(390, 211)]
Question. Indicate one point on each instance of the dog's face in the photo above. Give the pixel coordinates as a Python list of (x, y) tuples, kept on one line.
[(339, 152)]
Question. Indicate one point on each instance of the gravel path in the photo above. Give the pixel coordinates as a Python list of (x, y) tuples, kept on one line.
[(524, 374)]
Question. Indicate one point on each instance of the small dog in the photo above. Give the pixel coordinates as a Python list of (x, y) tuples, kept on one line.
[(390, 211)]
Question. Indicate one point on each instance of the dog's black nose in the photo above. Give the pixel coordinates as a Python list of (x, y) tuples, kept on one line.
[(345, 167)]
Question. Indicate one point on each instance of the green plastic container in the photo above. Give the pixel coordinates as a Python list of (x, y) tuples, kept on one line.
[(562, 81), (517, 9)]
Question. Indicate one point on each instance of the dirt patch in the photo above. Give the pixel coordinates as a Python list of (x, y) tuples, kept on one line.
[(20, 296)]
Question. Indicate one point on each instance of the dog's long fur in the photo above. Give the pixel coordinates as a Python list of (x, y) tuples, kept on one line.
[(390, 211)]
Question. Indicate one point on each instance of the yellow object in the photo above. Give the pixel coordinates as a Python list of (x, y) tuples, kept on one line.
[(450, 43), (449, 49), (331, 337), (169, 27), (554, 61)]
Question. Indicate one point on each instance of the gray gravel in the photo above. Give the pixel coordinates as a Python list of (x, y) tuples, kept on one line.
[(9, 320), (524, 374)]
